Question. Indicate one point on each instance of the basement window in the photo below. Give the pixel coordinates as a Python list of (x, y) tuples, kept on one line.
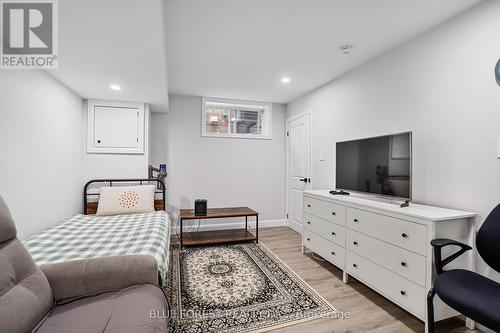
[(236, 119)]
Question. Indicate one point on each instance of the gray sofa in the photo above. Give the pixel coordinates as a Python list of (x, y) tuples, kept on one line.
[(112, 294)]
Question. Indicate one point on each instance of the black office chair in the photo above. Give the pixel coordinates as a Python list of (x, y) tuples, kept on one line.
[(470, 293)]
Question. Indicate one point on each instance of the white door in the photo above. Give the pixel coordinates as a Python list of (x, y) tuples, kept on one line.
[(298, 167)]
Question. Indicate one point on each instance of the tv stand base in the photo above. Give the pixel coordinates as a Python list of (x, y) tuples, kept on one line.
[(405, 204), (339, 192)]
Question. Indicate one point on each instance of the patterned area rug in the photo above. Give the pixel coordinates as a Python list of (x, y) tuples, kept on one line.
[(237, 288)]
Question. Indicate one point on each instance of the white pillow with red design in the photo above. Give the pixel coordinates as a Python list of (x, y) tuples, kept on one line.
[(118, 200)]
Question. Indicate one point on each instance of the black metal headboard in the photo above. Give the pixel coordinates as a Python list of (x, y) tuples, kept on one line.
[(160, 188)]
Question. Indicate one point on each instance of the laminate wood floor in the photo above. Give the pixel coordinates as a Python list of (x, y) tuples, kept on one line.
[(369, 312)]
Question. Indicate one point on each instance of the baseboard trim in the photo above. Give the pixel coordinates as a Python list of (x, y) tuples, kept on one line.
[(206, 226), (295, 226)]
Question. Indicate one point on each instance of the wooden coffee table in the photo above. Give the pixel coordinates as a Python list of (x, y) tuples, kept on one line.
[(219, 236)]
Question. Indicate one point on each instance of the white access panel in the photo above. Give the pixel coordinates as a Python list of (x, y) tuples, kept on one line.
[(115, 128)]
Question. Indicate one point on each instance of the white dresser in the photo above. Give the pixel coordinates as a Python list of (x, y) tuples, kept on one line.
[(385, 246)]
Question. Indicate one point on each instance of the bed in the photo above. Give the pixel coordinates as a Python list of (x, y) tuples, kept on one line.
[(85, 236)]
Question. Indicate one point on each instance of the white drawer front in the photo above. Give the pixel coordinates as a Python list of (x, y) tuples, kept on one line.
[(326, 229), (406, 234), (326, 210), (403, 292), (403, 262), (330, 251)]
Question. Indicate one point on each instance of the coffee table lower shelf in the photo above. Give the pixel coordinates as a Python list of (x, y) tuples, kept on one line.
[(217, 237)]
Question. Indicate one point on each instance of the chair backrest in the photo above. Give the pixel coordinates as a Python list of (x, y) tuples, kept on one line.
[(488, 239), (25, 294)]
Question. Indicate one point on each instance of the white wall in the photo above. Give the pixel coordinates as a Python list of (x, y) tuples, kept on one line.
[(41, 145), (441, 86), (159, 146), (227, 172)]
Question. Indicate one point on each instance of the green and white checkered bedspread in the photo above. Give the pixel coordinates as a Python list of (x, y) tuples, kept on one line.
[(90, 236)]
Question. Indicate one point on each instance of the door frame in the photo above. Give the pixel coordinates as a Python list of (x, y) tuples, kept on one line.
[(287, 159)]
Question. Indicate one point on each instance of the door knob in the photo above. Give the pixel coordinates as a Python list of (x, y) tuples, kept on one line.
[(303, 180)]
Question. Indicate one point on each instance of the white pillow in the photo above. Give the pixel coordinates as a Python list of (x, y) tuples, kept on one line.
[(117, 200)]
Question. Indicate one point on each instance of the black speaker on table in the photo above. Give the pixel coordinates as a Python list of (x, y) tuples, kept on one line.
[(200, 207)]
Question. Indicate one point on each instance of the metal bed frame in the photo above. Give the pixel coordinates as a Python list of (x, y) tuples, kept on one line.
[(160, 188)]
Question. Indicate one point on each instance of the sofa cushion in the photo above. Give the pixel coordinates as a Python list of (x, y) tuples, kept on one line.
[(87, 277), (25, 294), (136, 309), (7, 226)]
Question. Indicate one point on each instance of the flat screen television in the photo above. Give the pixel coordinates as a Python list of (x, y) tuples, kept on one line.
[(379, 165)]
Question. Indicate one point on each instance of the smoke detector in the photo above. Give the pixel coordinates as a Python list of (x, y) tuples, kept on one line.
[(345, 50)]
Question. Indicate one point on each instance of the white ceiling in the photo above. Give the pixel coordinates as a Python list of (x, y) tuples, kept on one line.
[(103, 42), (242, 48), (228, 48)]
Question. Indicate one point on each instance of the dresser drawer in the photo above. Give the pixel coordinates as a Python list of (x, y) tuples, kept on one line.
[(325, 210), (408, 235), (330, 251), (403, 262), (403, 292), (326, 229)]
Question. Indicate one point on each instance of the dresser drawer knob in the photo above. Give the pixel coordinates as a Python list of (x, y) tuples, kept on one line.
[(404, 235), (403, 292), (403, 263), (333, 213), (309, 239), (333, 253), (356, 220), (355, 243), (355, 265), (308, 222), (333, 234), (309, 206)]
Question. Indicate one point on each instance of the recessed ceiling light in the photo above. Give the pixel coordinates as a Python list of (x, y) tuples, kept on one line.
[(115, 87), (285, 80), (345, 50)]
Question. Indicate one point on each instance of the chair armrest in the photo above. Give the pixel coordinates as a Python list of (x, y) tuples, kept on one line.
[(438, 244), (81, 278)]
